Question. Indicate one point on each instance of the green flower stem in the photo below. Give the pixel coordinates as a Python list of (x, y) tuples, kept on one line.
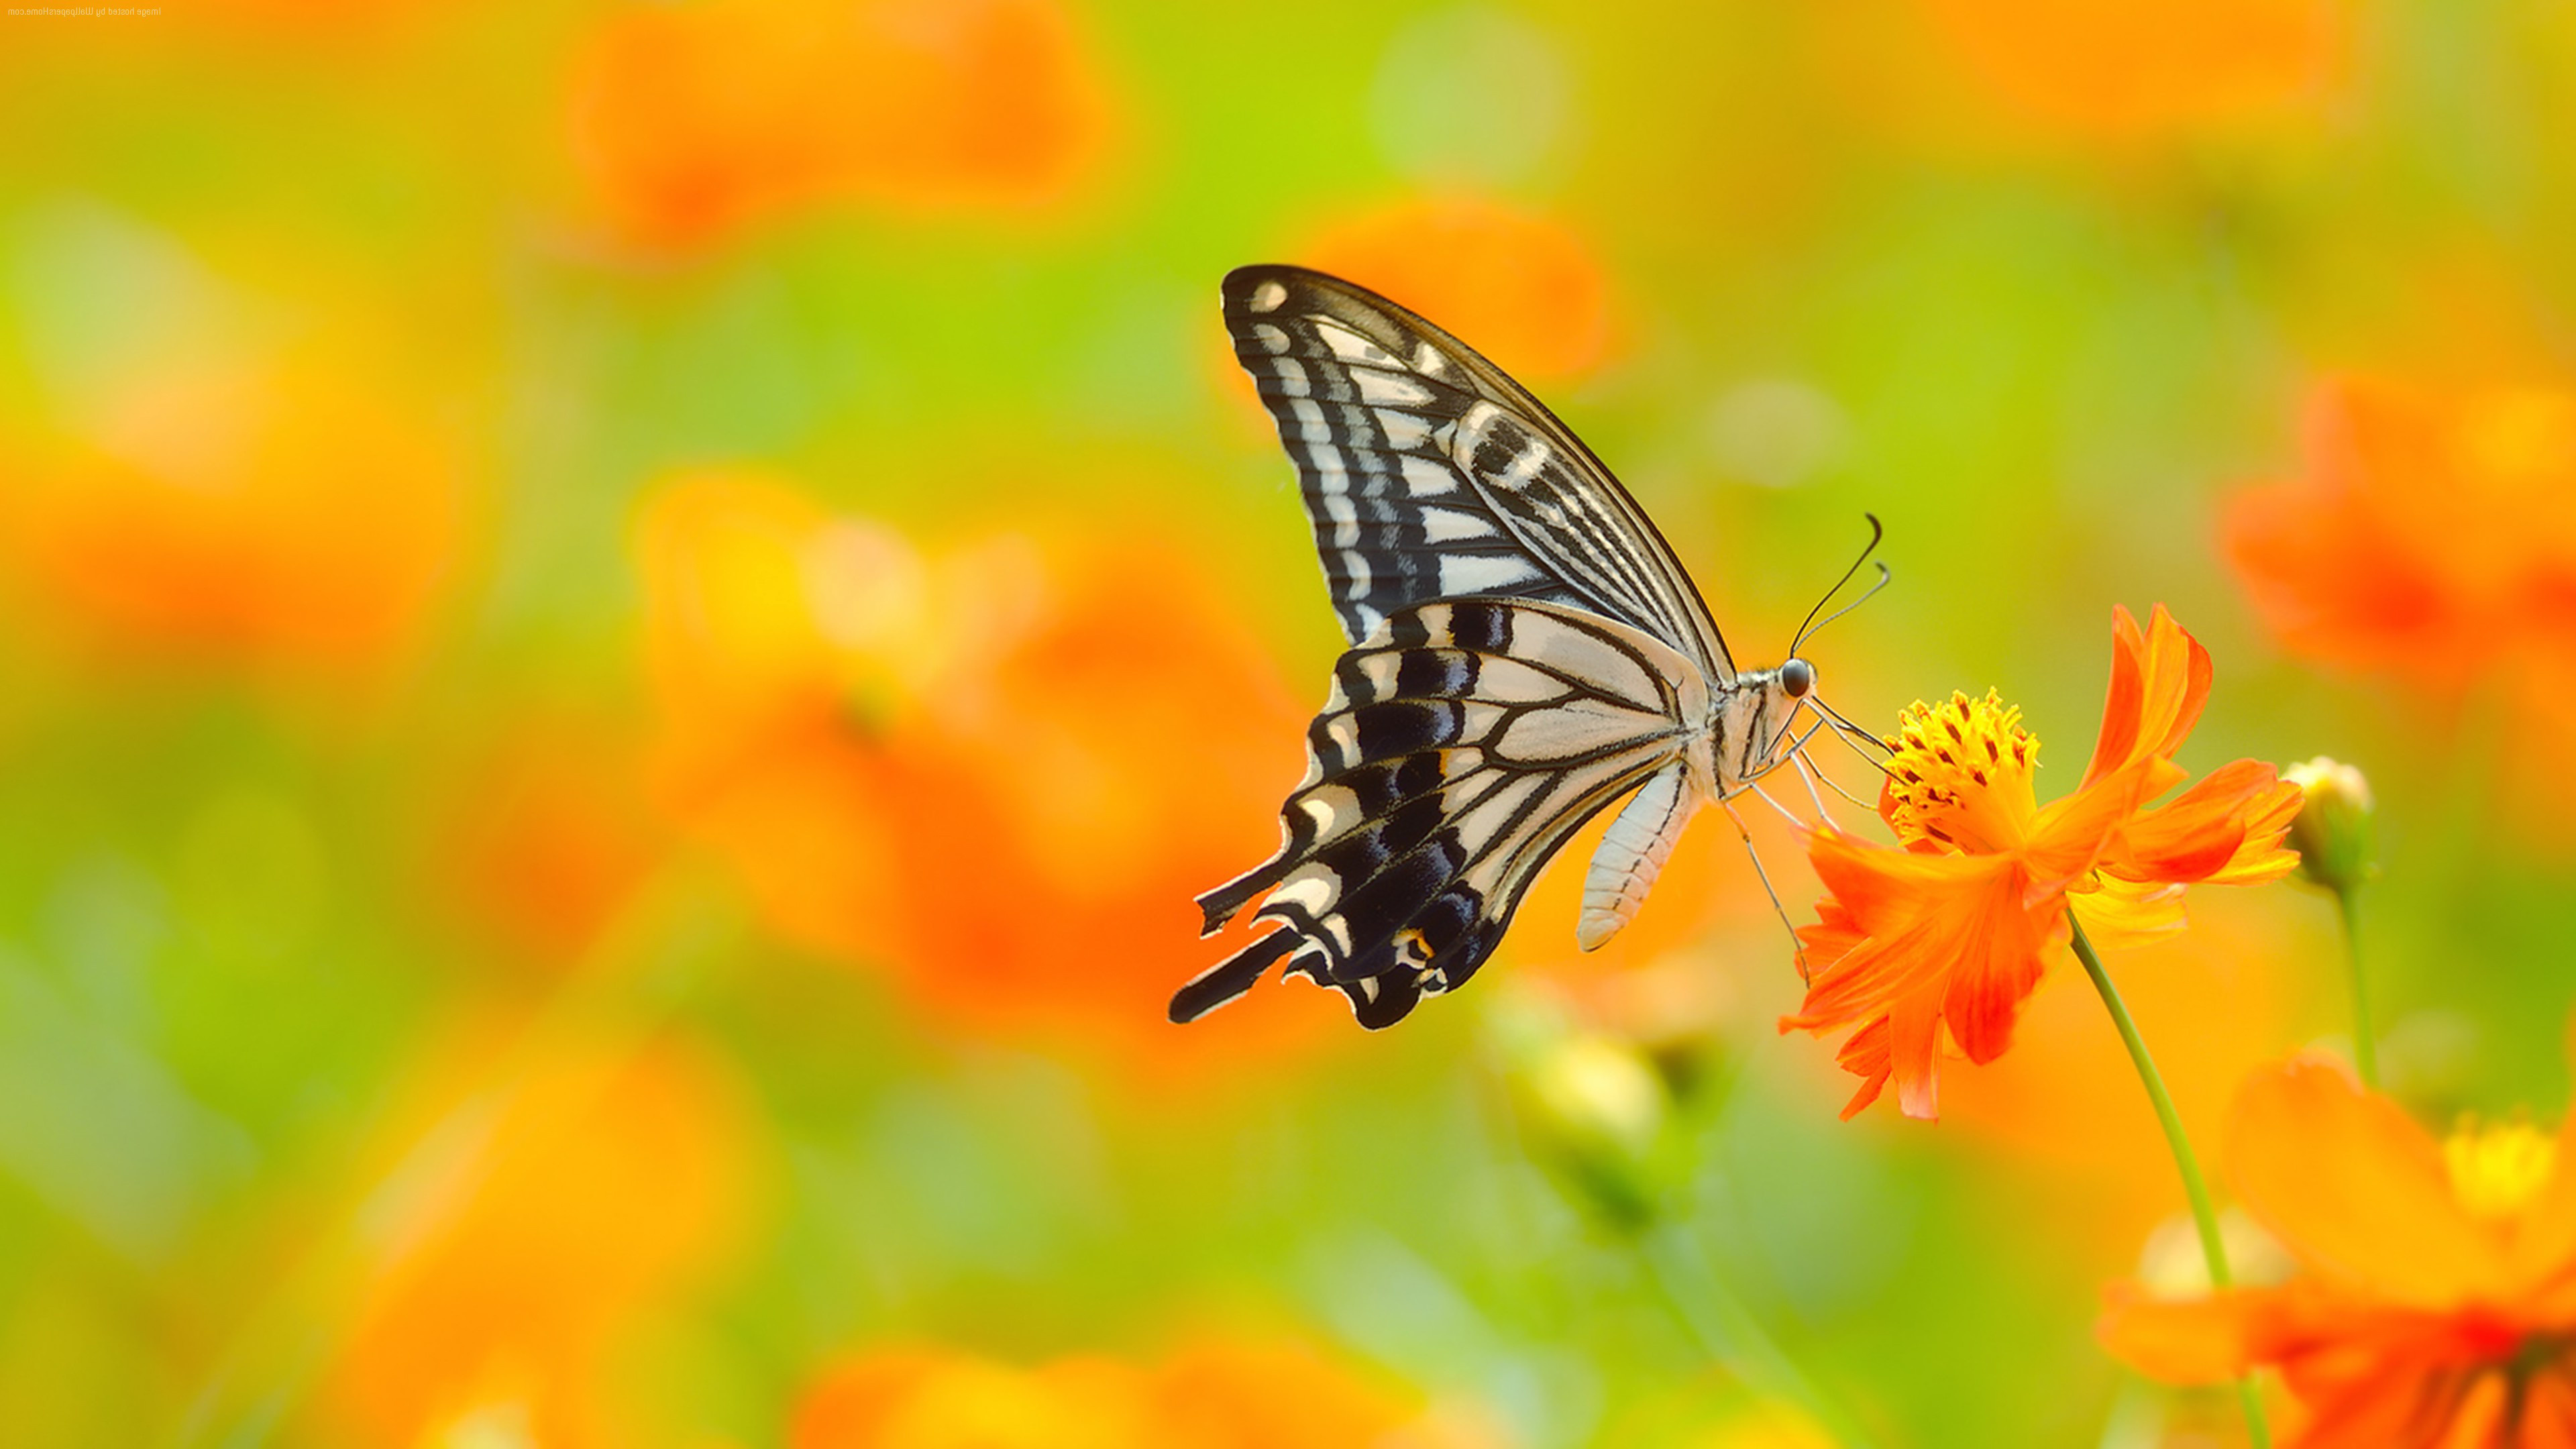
[(1680, 1269), (2204, 1215), (2365, 1048)]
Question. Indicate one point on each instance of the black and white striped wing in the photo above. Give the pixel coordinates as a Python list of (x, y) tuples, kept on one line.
[(1462, 744), (1429, 474)]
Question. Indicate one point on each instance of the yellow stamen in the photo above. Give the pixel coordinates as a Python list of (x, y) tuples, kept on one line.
[(2497, 1169), (1961, 774)]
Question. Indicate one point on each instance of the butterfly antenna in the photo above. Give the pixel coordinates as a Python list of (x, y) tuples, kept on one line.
[(1809, 625)]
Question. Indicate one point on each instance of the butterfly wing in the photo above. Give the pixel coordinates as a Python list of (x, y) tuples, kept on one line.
[(1428, 474), (1463, 742)]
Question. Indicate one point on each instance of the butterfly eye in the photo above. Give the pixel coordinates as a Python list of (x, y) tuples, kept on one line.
[(1797, 677)]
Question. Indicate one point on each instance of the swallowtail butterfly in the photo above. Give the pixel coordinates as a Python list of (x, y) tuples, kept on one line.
[(1525, 651)]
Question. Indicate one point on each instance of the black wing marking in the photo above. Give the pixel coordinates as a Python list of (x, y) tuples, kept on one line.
[(1463, 743), (1429, 474)]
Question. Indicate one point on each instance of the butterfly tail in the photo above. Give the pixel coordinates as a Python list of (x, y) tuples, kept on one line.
[(1231, 977), (1227, 901)]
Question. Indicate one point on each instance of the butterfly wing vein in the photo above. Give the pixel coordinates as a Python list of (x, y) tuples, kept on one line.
[(1429, 474), (1463, 743)]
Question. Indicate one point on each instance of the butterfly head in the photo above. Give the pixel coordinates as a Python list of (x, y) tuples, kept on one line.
[(1797, 678)]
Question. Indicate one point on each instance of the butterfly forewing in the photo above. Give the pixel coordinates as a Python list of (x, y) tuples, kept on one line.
[(1464, 741), (1428, 474)]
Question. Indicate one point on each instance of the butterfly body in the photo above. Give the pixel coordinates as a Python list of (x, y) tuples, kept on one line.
[(1525, 652)]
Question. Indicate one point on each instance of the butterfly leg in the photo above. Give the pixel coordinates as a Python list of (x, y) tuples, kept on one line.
[(1727, 803), (1793, 750), (1808, 763)]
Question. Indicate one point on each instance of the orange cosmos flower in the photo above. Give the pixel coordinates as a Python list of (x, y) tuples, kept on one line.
[(544, 834), (693, 122), (246, 514), (957, 765), (1946, 937), (2427, 534), (530, 1235), (1521, 288), (2101, 71), (2436, 1302), (2118, 70), (1224, 1395)]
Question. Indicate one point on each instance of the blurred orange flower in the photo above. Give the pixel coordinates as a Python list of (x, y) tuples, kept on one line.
[(2114, 71), (1221, 1395), (2428, 535), (529, 1238), (242, 515), (1946, 937), (695, 121), (961, 767), (547, 833), (2437, 1298), (1521, 288)]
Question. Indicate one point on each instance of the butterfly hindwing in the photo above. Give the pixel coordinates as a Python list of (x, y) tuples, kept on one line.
[(1429, 474), (1463, 742)]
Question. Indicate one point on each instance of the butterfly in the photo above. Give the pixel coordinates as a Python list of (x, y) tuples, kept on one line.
[(1525, 651)]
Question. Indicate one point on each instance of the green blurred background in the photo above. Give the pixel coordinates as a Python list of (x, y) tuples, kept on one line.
[(624, 630)]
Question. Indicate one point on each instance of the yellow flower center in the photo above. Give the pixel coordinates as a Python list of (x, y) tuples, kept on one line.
[(2497, 1169), (1961, 774)]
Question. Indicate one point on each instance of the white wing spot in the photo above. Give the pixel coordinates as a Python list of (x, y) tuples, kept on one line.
[(1267, 297), (1272, 340), (1388, 387), (1381, 671), (1315, 429), (1346, 520), (1448, 525), (1350, 346), (1427, 477), (1292, 377), (1332, 474), (1404, 431), (1428, 361), (1476, 573), (1354, 564)]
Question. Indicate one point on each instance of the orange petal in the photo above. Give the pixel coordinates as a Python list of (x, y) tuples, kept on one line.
[(2068, 836), (1949, 936), (1995, 975), (2209, 828), (1914, 1046), (2159, 681), (2120, 914), (2354, 1189), (2182, 1340), (1866, 1056), (2543, 1249), (1924, 915), (2479, 1421), (1882, 889), (2390, 1400), (2262, 857), (2549, 1412)]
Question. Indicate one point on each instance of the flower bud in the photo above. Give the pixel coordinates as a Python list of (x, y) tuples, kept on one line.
[(2334, 834), (1594, 1110)]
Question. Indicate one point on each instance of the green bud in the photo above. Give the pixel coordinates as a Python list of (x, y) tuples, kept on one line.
[(1595, 1111), (2334, 834)]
